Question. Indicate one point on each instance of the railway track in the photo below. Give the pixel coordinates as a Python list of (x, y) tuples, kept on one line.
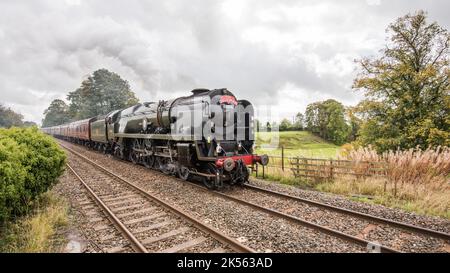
[(371, 246), (140, 217), (323, 228), (404, 237), (406, 226)]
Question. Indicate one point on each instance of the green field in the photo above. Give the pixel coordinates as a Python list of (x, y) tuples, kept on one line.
[(296, 143)]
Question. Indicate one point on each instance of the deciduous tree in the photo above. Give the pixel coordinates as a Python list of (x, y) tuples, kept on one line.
[(299, 122), (327, 119), (99, 94), (57, 113), (285, 125), (407, 88), (9, 118)]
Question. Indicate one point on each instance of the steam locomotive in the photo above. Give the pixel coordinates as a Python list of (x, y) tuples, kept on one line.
[(208, 135)]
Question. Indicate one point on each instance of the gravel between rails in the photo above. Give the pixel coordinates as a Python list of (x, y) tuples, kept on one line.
[(393, 237), (256, 229)]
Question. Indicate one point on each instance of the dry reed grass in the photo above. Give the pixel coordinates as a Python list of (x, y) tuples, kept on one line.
[(415, 180), (410, 171)]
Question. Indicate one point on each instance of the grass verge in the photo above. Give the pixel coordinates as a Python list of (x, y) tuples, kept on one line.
[(39, 231)]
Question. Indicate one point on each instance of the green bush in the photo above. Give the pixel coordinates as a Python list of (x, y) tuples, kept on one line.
[(30, 163)]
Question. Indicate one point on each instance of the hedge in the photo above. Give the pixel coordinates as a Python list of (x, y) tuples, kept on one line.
[(30, 163)]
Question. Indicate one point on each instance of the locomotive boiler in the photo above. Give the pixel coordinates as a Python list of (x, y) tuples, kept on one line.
[(208, 135)]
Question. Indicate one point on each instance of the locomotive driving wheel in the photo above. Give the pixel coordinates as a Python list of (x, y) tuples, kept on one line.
[(158, 165), (134, 154), (184, 173), (119, 152), (209, 182), (164, 165), (149, 158), (149, 161), (104, 149)]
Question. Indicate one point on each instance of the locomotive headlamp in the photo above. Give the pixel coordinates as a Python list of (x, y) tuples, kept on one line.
[(229, 164)]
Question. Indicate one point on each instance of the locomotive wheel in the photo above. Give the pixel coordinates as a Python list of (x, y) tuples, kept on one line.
[(119, 152), (122, 154), (245, 176), (134, 155), (149, 161), (116, 152), (165, 170), (184, 173), (158, 164), (163, 165), (210, 183)]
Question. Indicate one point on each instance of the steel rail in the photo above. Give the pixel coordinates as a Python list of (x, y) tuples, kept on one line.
[(232, 243), (410, 227), (135, 243)]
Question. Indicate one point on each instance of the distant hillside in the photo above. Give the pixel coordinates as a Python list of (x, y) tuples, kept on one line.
[(298, 143)]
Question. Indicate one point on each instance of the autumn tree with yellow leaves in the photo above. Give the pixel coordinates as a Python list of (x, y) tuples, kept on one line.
[(407, 89)]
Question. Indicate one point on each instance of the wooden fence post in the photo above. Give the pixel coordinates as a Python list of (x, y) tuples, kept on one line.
[(331, 169), (294, 166), (305, 166)]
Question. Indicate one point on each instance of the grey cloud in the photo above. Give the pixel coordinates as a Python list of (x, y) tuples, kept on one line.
[(166, 48)]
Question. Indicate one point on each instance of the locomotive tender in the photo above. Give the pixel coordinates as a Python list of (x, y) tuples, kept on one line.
[(208, 135)]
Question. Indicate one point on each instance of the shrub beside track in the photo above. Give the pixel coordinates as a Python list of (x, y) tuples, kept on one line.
[(30, 163)]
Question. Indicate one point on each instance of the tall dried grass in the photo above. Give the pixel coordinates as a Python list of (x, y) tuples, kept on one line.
[(413, 167), (415, 180), (418, 179)]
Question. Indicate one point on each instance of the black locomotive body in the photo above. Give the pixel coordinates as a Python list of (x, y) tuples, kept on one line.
[(208, 135)]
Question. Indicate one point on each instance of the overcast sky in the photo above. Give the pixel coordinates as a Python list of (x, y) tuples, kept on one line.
[(283, 53)]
